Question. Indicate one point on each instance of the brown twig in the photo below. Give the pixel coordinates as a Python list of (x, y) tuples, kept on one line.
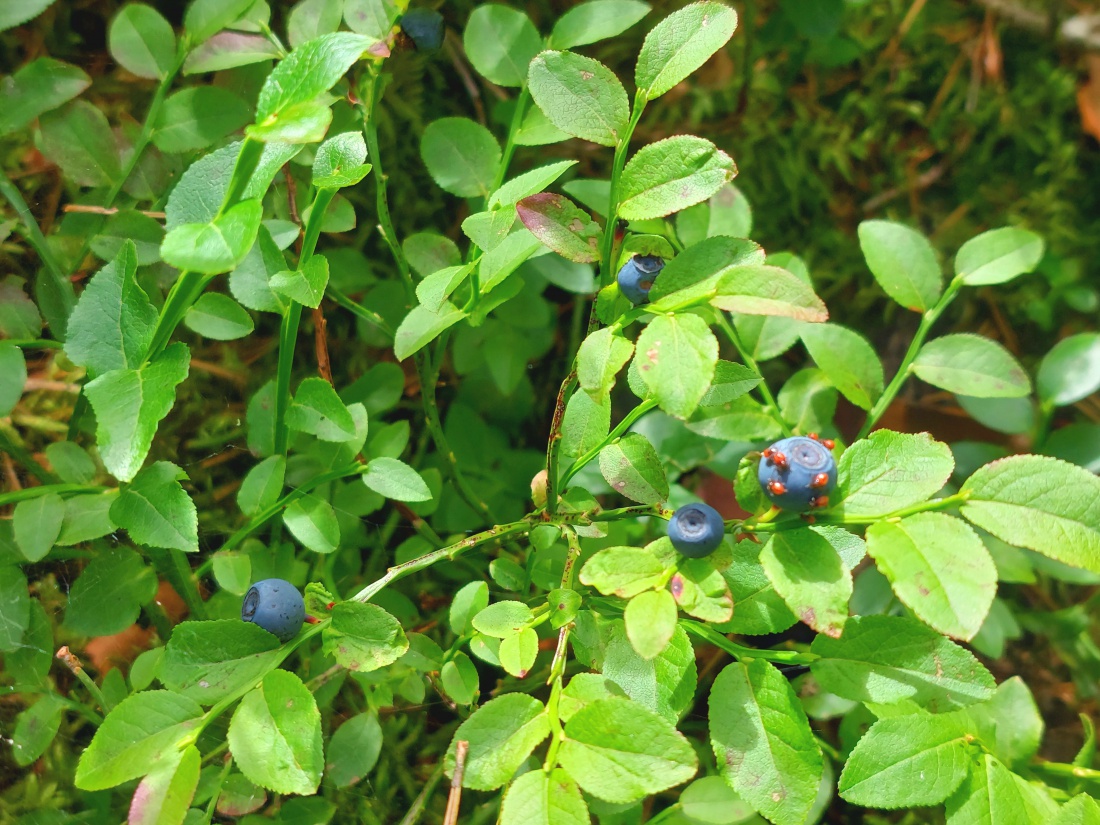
[(92, 209), (454, 798), (451, 45)]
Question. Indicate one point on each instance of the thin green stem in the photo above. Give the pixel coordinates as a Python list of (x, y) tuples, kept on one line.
[(18, 452), (1065, 770), (28, 493), (619, 161), (770, 403), (933, 505), (611, 438), (35, 343), (60, 279), (450, 552), (510, 142), (784, 657), (352, 306), (927, 321), (416, 810)]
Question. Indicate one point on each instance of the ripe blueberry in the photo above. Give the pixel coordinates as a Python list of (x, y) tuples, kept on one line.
[(696, 530), (424, 27), (276, 606), (637, 277), (798, 473)]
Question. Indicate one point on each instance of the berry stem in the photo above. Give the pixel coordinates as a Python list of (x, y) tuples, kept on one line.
[(750, 362), (927, 321), (783, 657)]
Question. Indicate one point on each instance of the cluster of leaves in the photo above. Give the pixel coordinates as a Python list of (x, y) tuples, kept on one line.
[(586, 619)]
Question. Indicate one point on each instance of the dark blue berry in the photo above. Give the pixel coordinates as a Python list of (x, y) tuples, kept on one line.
[(276, 606), (798, 473), (696, 530), (637, 276), (424, 27)]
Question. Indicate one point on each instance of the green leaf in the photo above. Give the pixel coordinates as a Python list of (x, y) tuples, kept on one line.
[(887, 659), (971, 365), (459, 679), (502, 619), (700, 590), (198, 117), (470, 600), (676, 355), (156, 511), (462, 156), (353, 750), (164, 795), (807, 572), (808, 401), (502, 733), (340, 161), (1040, 503), (15, 608), (537, 130), (19, 316), (318, 410), (87, 517), (305, 74), (35, 729), (422, 326), (998, 256), (396, 480), (624, 571), (632, 468), (538, 798), (364, 637), (130, 403), (141, 733), (763, 742), (218, 317), (586, 423), (371, 17), (680, 44), (36, 88), (731, 381), (142, 41), (561, 225), (939, 568), (726, 213), (207, 17), (518, 652), (72, 464), (1080, 810), (564, 605), (692, 277), (500, 43), (711, 801), (208, 661), (125, 225), (530, 183), (580, 96), (594, 21), (621, 752), (670, 175), (600, 358), (768, 290), (78, 138), (275, 735), (888, 471), (112, 324), (232, 571), (36, 524), (1019, 724), (903, 262), (848, 361), (250, 282), (229, 50), (13, 375), (313, 522), (906, 761), (312, 18), (108, 596), (1070, 372), (992, 793), (215, 247), (262, 485), (650, 620)]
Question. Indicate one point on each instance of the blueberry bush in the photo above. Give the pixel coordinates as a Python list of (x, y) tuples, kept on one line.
[(378, 579)]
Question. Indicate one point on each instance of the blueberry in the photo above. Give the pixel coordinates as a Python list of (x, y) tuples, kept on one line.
[(424, 27), (798, 473), (276, 606), (696, 530), (637, 276)]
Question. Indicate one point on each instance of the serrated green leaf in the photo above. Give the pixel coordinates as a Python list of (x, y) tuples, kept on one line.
[(561, 225), (218, 317), (600, 358), (538, 798), (886, 659), (15, 608), (971, 365), (680, 44), (364, 637), (13, 376), (340, 161), (650, 621), (848, 361), (580, 96), (156, 511), (676, 355), (586, 423), (1070, 372), (1040, 503), (313, 522), (807, 572), (422, 326), (164, 795), (998, 256), (623, 571), (396, 480), (142, 41), (462, 156), (78, 138), (671, 175), (502, 619), (198, 117), (36, 88), (36, 525), (275, 735), (889, 471), (763, 742), (768, 290), (903, 262), (262, 485), (215, 247), (939, 568), (530, 183), (633, 469), (208, 661), (501, 734), (318, 410), (207, 17), (500, 42), (353, 750)]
